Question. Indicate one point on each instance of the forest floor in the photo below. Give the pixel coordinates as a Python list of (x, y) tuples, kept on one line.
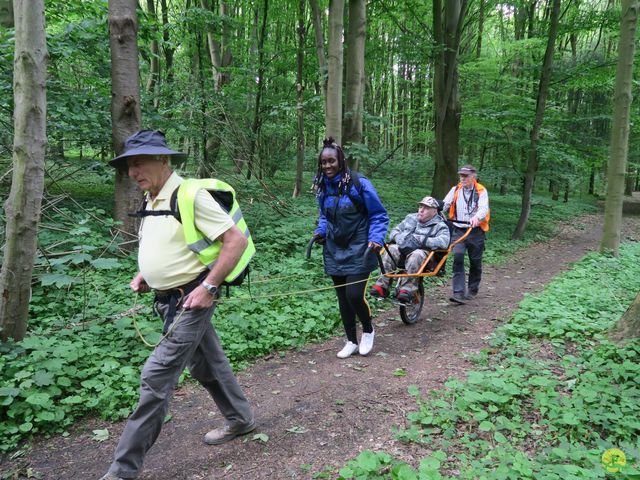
[(316, 409)]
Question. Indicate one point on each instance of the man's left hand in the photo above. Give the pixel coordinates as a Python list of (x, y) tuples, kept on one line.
[(198, 298), (474, 222)]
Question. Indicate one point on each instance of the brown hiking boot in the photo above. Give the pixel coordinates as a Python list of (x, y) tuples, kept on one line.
[(228, 432)]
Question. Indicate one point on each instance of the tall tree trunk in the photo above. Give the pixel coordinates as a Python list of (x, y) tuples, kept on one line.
[(297, 188), (354, 101), (620, 128), (629, 182), (255, 128), (319, 36), (333, 113), (166, 45), (125, 101), (628, 327), (154, 64), (543, 90), (480, 29), (447, 33), (22, 208), (219, 51)]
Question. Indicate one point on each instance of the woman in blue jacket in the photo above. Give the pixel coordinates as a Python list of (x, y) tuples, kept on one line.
[(352, 219)]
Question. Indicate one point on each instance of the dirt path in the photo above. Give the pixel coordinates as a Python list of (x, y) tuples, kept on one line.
[(318, 410)]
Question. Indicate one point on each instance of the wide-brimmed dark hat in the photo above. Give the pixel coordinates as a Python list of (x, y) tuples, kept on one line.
[(145, 142)]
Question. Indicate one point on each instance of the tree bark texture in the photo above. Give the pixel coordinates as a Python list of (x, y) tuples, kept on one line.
[(333, 113), (620, 128), (125, 101), (354, 101), (319, 36), (22, 208), (297, 188), (628, 327), (257, 120), (543, 90), (447, 32), (219, 50)]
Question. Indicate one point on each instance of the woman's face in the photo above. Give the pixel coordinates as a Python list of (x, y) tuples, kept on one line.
[(329, 162)]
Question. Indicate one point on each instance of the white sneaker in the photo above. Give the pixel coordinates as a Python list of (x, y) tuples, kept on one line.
[(348, 350), (366, 343)]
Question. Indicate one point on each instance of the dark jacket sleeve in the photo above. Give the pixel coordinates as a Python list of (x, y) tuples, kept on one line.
[(321, 229), (378, 218)]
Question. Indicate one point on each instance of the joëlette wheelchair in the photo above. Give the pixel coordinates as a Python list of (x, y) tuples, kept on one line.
[(430, 267)]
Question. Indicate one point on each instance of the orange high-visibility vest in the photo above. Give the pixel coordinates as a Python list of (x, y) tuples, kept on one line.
[(484, 224)]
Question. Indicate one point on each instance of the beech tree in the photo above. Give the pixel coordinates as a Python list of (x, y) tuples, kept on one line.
[(22, 208), (620, 129), (447, 31), (125, 101), (354, 101), (333, 112)]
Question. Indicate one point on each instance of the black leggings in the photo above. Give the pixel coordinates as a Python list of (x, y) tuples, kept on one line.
[(352, 302)]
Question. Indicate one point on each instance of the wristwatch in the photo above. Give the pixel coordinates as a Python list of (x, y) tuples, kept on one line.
[(212, 289)]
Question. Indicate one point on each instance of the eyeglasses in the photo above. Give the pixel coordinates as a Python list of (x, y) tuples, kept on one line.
[(464, 175)]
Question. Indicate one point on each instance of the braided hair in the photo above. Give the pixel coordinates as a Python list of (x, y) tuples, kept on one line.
[(318, 184)]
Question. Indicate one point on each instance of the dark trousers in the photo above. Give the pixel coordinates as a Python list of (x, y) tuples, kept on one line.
[(474, 245), (352, 303)]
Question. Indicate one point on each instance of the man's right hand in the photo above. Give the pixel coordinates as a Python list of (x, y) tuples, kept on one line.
[(319, 239), (139, 284)]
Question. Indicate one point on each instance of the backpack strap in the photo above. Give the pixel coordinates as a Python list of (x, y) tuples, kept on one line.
[(173, 212)]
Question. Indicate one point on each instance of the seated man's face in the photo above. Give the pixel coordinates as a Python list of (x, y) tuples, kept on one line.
[(425, 213)]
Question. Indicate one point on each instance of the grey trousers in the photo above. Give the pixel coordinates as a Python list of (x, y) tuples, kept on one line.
[(193, 344), (412, 264)]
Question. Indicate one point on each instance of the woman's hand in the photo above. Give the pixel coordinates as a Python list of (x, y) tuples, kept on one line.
[(375, 247)]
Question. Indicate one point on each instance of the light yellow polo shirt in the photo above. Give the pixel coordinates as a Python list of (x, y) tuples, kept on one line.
[(164, 259)]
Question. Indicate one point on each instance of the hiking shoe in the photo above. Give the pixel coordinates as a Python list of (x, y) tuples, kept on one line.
[(457, 298), (228, 432), (348, 350), (471, 295), (378, 291), (366, 343), (404, 296), (111, 476)]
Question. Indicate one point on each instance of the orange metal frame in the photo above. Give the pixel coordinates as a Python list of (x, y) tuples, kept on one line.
[(421, 272)]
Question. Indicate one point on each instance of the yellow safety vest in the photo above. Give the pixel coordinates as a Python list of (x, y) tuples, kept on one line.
[(207, 250)]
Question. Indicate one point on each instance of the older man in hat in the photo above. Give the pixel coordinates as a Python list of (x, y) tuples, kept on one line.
[(408, 244), (186, 294), (468, 206)]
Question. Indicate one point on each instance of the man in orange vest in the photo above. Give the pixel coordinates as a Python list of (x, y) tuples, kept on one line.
[(467, 202)]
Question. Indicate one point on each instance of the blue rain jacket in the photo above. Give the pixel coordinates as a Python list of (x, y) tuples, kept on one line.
[(348, 228)]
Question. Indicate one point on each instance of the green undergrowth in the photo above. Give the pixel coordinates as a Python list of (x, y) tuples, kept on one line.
[(548, 398), (82, 355)]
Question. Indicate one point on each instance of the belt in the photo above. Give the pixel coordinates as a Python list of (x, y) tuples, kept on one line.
[(174, 296)]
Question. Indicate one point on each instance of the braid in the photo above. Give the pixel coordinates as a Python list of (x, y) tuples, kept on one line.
[(330, 143)]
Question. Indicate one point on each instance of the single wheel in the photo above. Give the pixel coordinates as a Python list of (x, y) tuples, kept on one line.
[(411, 313)]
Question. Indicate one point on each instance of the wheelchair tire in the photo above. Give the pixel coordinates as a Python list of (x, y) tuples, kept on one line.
[(410, 313)]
